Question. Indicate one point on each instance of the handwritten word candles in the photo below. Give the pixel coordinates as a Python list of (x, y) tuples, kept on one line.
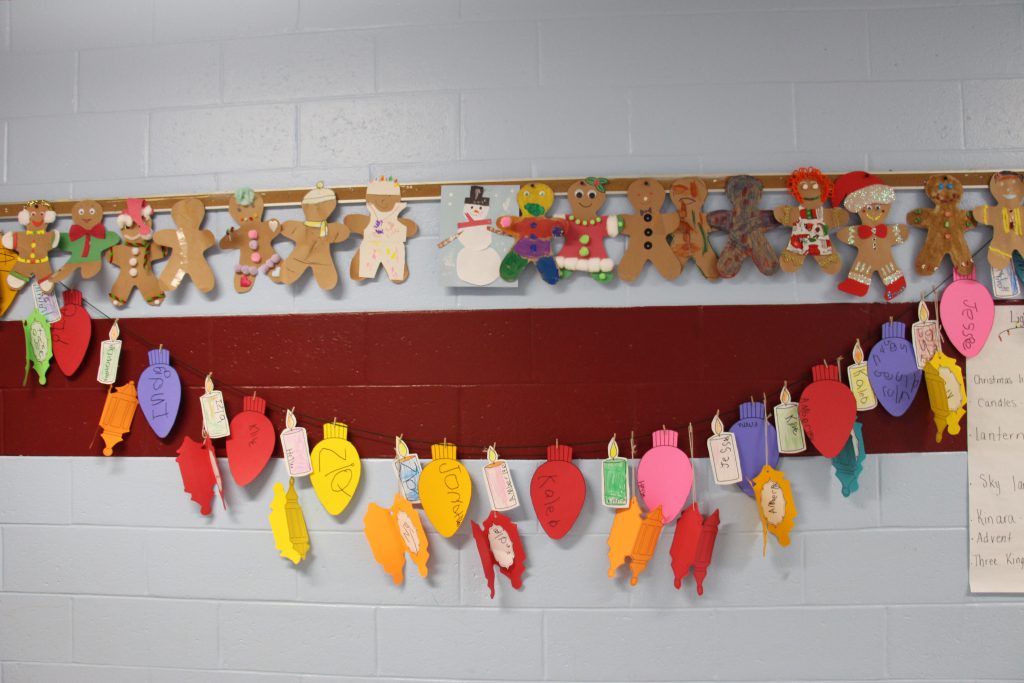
[(501, 490), (215, 415), (295, 446), (615, 488), (789, 430), (445, 489), (724, 454), (408, 470), (924, 335), (110, 353), (860, 383)]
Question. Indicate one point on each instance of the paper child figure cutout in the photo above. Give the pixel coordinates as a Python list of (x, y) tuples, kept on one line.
[(691, 239), (648, 232), (869, 198), (135, 255), (533, 233), (746, 226), (1006, 220), (86, 241), (384, 233), (585, 231), (32, 246), (252, 238), (811, 222), (946, 224), (186, 243), (477, 261), (313, 238)]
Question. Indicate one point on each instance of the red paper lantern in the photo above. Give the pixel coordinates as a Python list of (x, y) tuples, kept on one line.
[(251, 442), (197, 473), (684, 543), (558, 491), (828, 410), (71, 333)]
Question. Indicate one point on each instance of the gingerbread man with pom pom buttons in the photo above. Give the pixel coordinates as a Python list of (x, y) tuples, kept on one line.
[(32, 247), (252, 238), (648, 230), (811, 221), (135, 255), (946, 224)]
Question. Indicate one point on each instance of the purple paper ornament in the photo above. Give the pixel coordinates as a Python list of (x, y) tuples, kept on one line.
[(893, 371), (750, 432), (160, 392)]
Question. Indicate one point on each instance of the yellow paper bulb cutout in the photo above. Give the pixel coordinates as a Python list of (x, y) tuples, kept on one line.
[(395, 532), (947, 394), (445, 489), (336, 468), (775, 505), (288, 523)]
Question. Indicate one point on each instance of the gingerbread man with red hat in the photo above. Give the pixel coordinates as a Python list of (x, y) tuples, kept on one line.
[(135, 255)]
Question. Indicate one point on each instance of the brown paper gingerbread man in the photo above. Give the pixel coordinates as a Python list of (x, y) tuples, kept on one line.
[(946, 224), (692, 236), (384, 232), (811, 221), (648, 232), (135, 255), (187, 243), (252, 238), (1005, 218), (585, 231), (85, 241), (32, 247), (746, 226), (313, 238)]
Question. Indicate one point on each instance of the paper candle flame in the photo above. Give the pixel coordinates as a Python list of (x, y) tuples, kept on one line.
[(922, 311), (717, 427), (115, 331), (492, 455), (208, 383), (289, 419), (401, 449), (858, 353), (784, 395), (613, 448)]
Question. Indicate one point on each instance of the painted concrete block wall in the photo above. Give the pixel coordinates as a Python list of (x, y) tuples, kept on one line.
[(110, 575)]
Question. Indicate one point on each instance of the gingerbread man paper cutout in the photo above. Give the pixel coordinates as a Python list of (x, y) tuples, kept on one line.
[(812, 222), (533, 232), (384, 233), (648, 230), (1005, 218), (871, 199), (313, 238), (186, 243), (135, 255), (692, 236), (946, 224), (85, 241), (253, 238), (583, 250), (32, 246), (746, 225)]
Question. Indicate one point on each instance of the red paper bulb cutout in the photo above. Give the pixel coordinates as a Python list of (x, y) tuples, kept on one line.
[(252, 441), (827, 410), (196, 472), (557, 491), (71, 334), (498, 542)]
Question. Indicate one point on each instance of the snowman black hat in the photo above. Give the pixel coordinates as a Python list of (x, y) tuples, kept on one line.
[(476, 196)]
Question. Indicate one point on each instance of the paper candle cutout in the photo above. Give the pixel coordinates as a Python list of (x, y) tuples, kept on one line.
[(336, 468), (1005, 284), (38, 345), (622, 536), (925, 336), (790, 431), (288, 524), (615, 478), (850, 461), (860, 382), (215, 414), (558, 491), (116, 418), (967, 312), (46, 302), (947, 394), (393, 533), (683, 550), (827, 410), (251, 442), (724, 454), (71, 334), (665, 475), (705, 549), (445, 489), (408, 470), (197, 472), (775, 505), (757, 442), (110, 353), (893, 369), (501, 490), (498, 543), (160, 392), (295, 447)]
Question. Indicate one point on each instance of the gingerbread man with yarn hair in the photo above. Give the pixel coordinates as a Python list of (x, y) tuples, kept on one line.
[(648, 230), (1005, 218), (946, 224), (253, 238), (313, 238), (32, 247), (692, 236), (811, 221), (745, 225)]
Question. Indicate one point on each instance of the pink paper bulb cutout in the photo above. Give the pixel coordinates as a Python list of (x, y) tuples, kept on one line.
[(665, 475), (967, 312)]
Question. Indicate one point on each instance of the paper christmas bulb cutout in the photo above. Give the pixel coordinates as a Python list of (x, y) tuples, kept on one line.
[(756, 441), (967, 313), (622, 536), (408, 469), (110, 354), (197, 473), (924, 335), (557, 491), (533, 233), (584, 249), (38, 345), (683, 550), (827, 410), (724, 454), (665, 475), (46, 302), (705, 549), (313, 238), (215, 413), (384, 232), (445, 489), (160, 392), (947, 394), (7, 293), (186, 244), (253, 239), (860, 380), (32, 246), (116, 418), (498, 543), (789, 429), (775, 505), (71, 334), (811, 222), (252, 440), (336, 468), (850, 461), (501, 490), (648, 230), (288, 524), (945, 225), (393, 533), (295, 447), (615, 479), (893, 369), (646, 544)]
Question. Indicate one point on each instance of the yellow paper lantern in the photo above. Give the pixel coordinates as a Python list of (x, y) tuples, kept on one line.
[(445, 489), (336, 468)]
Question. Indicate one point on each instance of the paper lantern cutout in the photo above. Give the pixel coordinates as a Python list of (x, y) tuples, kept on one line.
[(775, 505), (967, 312), (295, 447), (501, 490), (71, 334), (827, 410), (288, 524), (705, 549), (646, 544), (860, 381), (665, 476), (38, 345), (408, 469), (622, 536), (215, 414), (197, 473), (186, 244), (789, 430), (615, 488), (724, 454), (893, 369), (947, 394), (116, 418), (850, 461), (445, 489), (757, 442), (336, 468), (498, 543), (557, 491), (160, 392), (7, 293), (683, 550), (110, 354), (393, 533), (252, 440), (46, 302), (924, 335)]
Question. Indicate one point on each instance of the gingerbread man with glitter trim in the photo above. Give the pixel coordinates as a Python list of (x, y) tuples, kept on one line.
[(32, 247), (585, 231), (811, 221)]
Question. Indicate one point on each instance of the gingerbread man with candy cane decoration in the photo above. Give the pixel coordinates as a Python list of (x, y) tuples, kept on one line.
[(32, 247)]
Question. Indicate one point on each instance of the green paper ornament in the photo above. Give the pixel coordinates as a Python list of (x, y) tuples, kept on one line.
[(38, 345)]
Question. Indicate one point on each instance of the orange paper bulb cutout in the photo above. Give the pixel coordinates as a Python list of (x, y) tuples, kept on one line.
[(395, 532), (118, 411)]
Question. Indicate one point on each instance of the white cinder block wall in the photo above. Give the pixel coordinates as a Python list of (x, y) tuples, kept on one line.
[(109, 574)]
